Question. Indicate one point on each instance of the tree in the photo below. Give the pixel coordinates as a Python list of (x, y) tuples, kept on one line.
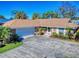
[(2, 17), (36, 16), (67, 10), (19, 15), (4, 35), (50, 14), (69, 32), (77, 36)]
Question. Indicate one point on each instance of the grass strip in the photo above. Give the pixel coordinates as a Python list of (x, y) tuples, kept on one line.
[(10, 46)]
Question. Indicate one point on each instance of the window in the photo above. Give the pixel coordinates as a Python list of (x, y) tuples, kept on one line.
[(49, 29), (61, 30)]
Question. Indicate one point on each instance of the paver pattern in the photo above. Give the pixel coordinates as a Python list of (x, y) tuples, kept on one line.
[(43, 47)]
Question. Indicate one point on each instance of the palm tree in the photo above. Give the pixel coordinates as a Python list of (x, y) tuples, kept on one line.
[(19, 15), (67, 10), (36, 16), (4, 35), (2, 17), (50, 14)]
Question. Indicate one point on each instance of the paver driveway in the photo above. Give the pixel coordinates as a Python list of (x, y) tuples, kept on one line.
[(43, 47)]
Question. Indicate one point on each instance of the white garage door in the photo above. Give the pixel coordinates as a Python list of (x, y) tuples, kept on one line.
[(25, 31)]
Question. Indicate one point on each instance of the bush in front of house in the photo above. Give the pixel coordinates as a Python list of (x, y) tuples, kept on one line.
[(69, 30), (4, 35), (41, 30), (8, 39), (14, 37), (17, 38), (77, 36), (54, 34), (60, 35), (65, 37), (7, 36)]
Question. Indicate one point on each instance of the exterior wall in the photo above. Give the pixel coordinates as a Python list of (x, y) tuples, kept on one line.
[(47, 33), (65, 31), (53, 30), (57, 30), (25, 31)]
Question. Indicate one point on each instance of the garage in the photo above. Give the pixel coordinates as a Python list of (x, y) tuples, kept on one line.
[(25, 31)]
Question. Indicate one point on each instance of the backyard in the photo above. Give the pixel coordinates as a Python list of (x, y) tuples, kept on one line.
[(44, 47)]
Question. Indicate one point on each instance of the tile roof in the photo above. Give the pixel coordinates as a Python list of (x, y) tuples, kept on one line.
[(54, 22)]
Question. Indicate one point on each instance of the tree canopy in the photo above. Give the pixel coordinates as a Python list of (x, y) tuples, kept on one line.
[(50, 14), (19, 15), (67, 10), (2, 17), (36, 16)]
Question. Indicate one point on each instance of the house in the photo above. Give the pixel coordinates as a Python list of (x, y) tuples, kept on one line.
[(25, 27)]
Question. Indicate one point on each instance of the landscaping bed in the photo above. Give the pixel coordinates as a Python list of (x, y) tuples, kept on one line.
[(10, 46)]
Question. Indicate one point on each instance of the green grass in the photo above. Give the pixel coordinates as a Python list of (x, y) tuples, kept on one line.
[(10, 46)]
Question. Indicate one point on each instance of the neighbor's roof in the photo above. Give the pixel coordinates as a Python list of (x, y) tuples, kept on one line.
[(54, 22)]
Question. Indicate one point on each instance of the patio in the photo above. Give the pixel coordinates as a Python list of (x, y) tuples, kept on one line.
[(43, 47)]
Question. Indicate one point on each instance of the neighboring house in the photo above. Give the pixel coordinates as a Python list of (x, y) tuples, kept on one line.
[(27, 27)]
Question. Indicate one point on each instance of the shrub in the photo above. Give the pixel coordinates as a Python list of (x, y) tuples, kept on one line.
[(60, 35), (14, 37), (69, 30), (77, 36), (41, 30), (54, 34), (65, 37), (4, 34)]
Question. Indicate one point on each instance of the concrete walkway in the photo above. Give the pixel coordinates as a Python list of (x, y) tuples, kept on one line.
[(43, 47)]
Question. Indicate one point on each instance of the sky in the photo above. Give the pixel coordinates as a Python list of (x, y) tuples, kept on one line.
[(29, 7)]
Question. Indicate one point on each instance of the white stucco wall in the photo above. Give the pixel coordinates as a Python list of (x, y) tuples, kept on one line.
[(52, 30), (55, 30), (65, 31)]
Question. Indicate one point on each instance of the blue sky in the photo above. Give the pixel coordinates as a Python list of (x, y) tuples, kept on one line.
[(29, 7)]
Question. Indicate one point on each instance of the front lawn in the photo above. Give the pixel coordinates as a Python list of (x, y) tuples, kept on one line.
[(10, 46)]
